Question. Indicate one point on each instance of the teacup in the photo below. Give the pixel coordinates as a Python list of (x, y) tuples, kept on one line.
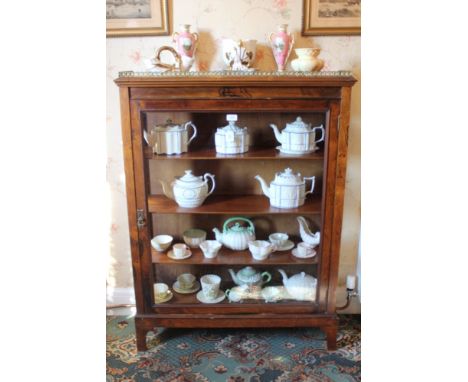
[(210, 248), (304, 249), (161, 242), (186, 281), (161, 291), (279, 239), (193, 237), (179, 250), (260, 249), (210, 286)]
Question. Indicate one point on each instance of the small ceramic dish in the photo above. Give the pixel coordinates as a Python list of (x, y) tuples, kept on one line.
[(188, 253), (161, 242), (194, 237), (220, 297), (271, 294), (164, 299)]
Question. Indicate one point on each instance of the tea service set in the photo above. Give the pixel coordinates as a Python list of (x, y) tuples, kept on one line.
[(237, 55), (238, 237)]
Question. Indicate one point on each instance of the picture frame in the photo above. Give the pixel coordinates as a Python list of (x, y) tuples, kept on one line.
[(137, 18), (331, 17)]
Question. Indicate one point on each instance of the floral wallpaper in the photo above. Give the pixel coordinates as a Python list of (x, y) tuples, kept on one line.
[(215, 20)]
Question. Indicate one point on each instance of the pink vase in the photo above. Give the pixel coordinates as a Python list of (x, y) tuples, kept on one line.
[(281, 44), (186, 44)]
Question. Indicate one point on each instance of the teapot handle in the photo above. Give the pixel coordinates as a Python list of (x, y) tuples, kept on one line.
[(323, 133), (189, 123), (251, 225), (312, 186), (211, 176), (268, 277)]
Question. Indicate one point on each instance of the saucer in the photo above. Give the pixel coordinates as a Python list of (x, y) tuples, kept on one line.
[(313, 253), (188, 253), (201, 297), (169, 296), (295, 152), (178, 289), (286, 247)]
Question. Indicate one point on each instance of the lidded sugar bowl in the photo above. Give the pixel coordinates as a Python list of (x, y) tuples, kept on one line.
[(170, 138), (232, 139), (298, 137), (287, 190), (189, 191)]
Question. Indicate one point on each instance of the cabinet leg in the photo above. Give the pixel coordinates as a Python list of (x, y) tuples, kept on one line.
[(331, 332), (141, 339)]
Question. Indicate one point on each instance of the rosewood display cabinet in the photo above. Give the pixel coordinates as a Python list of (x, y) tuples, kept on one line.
[(258, 99)]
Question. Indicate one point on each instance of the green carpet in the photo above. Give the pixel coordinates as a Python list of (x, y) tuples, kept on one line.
[(233, 355)]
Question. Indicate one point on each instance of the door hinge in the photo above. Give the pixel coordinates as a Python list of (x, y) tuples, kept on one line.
[(141, 221)]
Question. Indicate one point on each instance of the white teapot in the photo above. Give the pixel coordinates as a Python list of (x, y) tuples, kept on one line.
[(301, 286), (287, 189), (298, 137), (189, 191), (170, 138)]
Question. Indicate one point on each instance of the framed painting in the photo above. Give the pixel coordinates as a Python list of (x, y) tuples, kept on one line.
[(137, 18), (331, 17)]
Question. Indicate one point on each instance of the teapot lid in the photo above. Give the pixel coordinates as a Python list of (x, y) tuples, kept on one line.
[(303, 277), (247, 271), (231, 127), (288, 177), (190, 178), (169, 126), (298, 126)]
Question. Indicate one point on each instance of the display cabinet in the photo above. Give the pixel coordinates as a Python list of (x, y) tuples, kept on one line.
[(258, 100)]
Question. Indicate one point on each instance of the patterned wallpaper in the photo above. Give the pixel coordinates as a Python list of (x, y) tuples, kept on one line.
[(215, 20)]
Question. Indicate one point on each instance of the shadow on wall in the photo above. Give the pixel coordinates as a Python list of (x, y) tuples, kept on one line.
[(206, 50)]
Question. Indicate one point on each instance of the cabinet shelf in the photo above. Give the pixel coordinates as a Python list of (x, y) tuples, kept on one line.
[(229, 257), (232, 204), (253, 153)]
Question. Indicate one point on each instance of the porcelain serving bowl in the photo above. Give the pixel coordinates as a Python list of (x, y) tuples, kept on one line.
[(194, 237), (161, 242), (210, 248)]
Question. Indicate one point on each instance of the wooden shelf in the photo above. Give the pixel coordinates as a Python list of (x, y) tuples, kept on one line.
[(230, 257), (232, 204), (180, 302), (253, 153)]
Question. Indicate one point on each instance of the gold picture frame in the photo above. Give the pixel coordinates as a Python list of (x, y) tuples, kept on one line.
[(137, 18), (331, 17)]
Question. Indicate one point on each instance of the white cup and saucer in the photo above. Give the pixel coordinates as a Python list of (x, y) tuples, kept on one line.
[(186, 283), (179, 251), (161, 293), (304, 251), (280, 240), (210, 293)]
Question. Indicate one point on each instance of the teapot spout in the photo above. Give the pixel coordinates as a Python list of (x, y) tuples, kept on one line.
[(285, 276), (233, 275), (277, 132), (218, 235), (265, 188), (166, 190)]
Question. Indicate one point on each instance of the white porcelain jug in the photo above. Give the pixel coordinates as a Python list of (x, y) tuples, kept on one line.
[(189, 191), (287, 190), (170, 138)]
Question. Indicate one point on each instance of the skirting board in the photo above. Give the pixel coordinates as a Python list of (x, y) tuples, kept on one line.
[(117, 296)]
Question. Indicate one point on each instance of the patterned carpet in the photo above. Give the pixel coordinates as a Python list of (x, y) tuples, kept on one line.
[(234, 355)]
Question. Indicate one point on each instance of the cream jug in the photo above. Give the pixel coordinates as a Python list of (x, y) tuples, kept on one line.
[(170, 138)]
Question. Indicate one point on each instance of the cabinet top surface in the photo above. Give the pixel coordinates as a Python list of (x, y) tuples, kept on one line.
[(221, 78)]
